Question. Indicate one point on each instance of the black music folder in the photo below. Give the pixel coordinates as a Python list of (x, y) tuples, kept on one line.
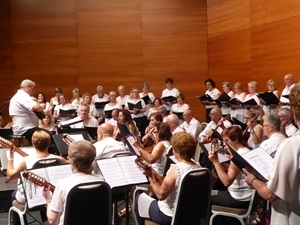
[(67, 113), (269, 98), (100, 105), (132, 106), (256, 161), (235, 101), (223, 100), (146, 99), (169, 98), (108, 113), (123, 129), (205, 98), (92, 131), (286, 96)]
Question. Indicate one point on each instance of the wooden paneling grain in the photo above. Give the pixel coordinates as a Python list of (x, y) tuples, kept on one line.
[(6, 68), (267, 11), (228, 16)]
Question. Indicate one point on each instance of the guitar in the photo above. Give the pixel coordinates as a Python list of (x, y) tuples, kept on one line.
[(7, 144), (40, 114), (142, 163), (37, 180)]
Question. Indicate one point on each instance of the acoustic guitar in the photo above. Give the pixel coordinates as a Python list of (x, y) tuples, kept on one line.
[(37, 180), (8, 144)]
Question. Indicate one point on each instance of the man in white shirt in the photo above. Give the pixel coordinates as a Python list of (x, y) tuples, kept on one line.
[(287, 128), (22, 110), (100, 97), (289, 84), (271, 128), (107, 147), (217, 122), (173, 122), (191, 124)]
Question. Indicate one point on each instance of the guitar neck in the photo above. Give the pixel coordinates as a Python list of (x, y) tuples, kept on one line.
[(8, 144), (19, 151)]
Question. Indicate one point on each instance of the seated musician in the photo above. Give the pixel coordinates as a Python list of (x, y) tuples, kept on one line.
[(238, 193), (125, 118), (165, 188), (107, 146), (217, 122), (173, 122), (254, 133), (157, 156), (190, 124), (84, 114), (81, 156), (287, 128), (154, 118), (41, 142)]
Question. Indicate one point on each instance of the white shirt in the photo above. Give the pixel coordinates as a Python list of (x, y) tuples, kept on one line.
[(285, 183), (212, 125), (21, 111), (193, 128), (141, 114), (271, 144), (122, 100), (173, 92), (92, 123), (290, 130), (213, 94), (286, 91)]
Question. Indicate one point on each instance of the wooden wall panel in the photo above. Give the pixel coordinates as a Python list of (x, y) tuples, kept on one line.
[(256, 39), (44, 43), (84, 43), (227, 16), (6, 69)]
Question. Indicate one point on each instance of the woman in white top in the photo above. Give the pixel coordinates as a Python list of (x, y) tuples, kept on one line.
[(252, 94), (272, 87), (254, 133), (227, 90), (165, 188), (63, 104), (54, 100), (77, 99), (214, 93), (145, 94), (137, 107), (157, 157), (169, 91), (47, 123), (156, 105), (238, 192), (42, 99), (109, 107), (179, 107), (87, 99), (237, 110)]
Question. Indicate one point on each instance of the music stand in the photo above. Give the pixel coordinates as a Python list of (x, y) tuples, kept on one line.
[(6, 133), (123, 129)]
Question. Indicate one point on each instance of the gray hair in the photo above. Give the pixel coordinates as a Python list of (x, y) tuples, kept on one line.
[(273, 120), (173, 118), (27, 83)]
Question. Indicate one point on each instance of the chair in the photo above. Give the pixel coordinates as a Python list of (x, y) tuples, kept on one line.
[(239, 214), (23, 210), (89, 203), (193, 199)]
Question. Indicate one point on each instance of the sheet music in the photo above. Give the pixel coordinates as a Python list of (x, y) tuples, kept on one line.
[(121, 171), (221, 157), (131, 172), (260, 160), (55, 173), (33, 193), (112, 172)]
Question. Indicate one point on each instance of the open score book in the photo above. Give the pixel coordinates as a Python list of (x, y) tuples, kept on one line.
[(52, 174), (121, 171)]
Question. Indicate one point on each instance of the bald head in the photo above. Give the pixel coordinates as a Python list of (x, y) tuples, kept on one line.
[(289, 79), (105, 130), (187, 115)]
